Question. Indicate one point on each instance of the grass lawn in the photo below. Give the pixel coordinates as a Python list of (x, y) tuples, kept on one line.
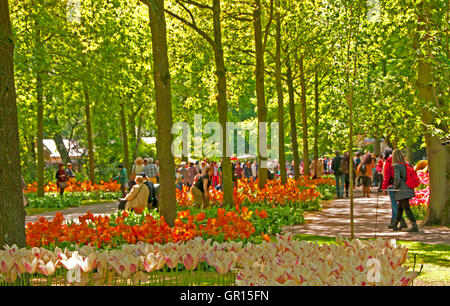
[(34, 211), (435, 259)]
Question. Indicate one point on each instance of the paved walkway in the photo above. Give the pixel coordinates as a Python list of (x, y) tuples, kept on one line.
[(334, 219), (75, 212)]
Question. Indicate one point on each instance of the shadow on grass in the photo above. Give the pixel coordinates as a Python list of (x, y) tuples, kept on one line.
[(436, 254)]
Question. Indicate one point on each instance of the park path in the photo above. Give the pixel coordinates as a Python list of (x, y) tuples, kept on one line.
[(75, 212), (334, 219)]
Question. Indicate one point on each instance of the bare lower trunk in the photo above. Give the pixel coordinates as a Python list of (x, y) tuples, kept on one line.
[(279, 86), (168, 205), (222, 104), (260, 96), (290, 84), (87, 110), (304, 119), (12, 221), (126, 151), (316, 113)]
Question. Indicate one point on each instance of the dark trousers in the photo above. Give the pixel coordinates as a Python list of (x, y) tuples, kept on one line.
[(403, 205)]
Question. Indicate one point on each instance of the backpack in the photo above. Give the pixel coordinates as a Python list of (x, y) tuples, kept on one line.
[(344, 166), (412, 179), (362, 169)]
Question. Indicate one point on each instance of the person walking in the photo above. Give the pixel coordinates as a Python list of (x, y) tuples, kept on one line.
[(364, 170), (179, 180), (248, 171), (200, 190), (254, 170), (379, 173), (345, 169), (216, 174), (357, 162), (388, 186), (61, 179), (122, 178), (339, 176), (184, 173), (316, 168), (192, 172), (403, 193)]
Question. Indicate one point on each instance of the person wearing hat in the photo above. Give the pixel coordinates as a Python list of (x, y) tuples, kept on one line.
[(122, 178), (61, 179)]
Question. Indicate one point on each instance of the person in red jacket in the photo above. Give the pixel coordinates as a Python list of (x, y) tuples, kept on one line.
[(388, 184), (379, 171)]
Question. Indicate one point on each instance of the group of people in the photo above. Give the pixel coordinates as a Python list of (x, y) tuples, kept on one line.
[(387, 172), (139, 190), (63, 176)]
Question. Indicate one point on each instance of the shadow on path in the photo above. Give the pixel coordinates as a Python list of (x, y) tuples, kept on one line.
[(370, 221)]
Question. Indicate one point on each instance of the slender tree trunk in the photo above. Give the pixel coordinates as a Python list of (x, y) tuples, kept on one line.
[(126, 151), (260, 96), (168, 204), (87, 110), (316, 112), (138, 136), (377, 145), (304, 119), (12, 221), (222, 104), (409, 154), (279, 86), (290, 84), (40, 113)]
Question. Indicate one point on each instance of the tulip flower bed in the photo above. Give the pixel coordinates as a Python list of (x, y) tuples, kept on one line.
[(113, 231), (419, 204), (86, 186), (303, 193), (285, 261)]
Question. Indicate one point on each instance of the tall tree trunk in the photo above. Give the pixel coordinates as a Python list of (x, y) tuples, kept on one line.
[(409, 153), (12, 221), (126, 151), (279, 86), (222, 104), (168, 204), (316, 112), (290, 84), (40, 113), (304, 119), (377, 146), (260, 96), (87, 110), (438, 155), (138, 136), (132, 134)]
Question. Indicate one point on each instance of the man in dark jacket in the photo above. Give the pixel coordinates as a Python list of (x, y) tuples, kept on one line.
[(152, 199), (339, 176)]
